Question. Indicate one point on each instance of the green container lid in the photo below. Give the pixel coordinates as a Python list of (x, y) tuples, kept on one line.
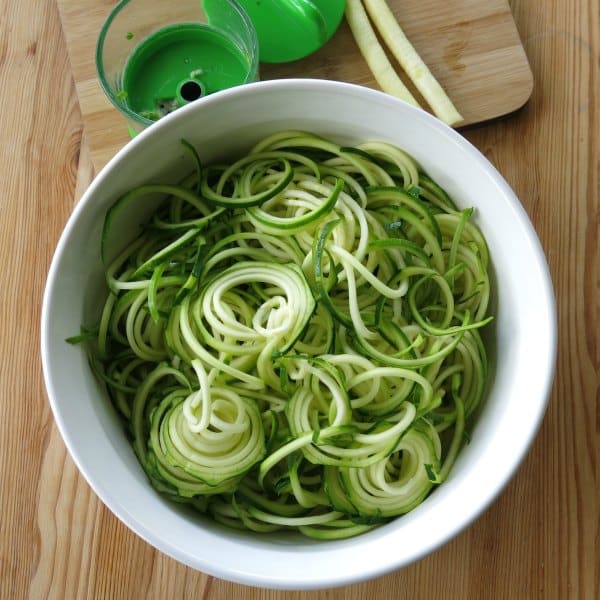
[(288, 30)]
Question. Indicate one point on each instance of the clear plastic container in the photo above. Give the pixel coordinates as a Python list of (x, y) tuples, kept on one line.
[(154, 56)]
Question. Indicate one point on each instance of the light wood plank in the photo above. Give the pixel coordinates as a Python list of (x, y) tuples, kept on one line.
[(472, 47)]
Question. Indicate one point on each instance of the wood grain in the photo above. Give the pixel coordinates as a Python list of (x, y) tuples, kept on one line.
[(538, 540), (472, 47)]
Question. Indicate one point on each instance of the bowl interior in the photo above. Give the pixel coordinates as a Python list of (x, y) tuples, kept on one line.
[(521, 342)]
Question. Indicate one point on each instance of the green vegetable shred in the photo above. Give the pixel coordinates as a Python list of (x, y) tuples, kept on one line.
[(293, 340)]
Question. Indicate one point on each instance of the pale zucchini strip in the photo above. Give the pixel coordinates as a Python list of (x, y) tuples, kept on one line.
[(411, 61), (373, 53)]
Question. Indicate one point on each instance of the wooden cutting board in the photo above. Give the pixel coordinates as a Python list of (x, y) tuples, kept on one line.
[(471, 46)]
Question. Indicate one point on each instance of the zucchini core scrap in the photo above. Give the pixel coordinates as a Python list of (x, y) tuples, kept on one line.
[(293, 340)]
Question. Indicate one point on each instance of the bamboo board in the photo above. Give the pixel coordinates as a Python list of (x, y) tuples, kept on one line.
[(472, 47)]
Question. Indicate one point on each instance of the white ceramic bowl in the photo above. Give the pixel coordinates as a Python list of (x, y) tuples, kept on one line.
[(522, 352)]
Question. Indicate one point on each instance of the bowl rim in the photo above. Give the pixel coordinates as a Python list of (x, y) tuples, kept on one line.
[(368, 570)]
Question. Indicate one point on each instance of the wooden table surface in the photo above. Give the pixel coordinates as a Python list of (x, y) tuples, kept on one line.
[(538, 540)]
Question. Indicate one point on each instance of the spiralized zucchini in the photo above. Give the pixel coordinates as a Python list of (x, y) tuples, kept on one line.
[(293, 340)]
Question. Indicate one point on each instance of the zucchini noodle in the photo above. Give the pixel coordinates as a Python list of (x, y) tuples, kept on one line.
[(293, 339)]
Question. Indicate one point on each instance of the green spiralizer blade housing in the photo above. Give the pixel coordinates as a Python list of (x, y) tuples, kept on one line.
[(179, 64)]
